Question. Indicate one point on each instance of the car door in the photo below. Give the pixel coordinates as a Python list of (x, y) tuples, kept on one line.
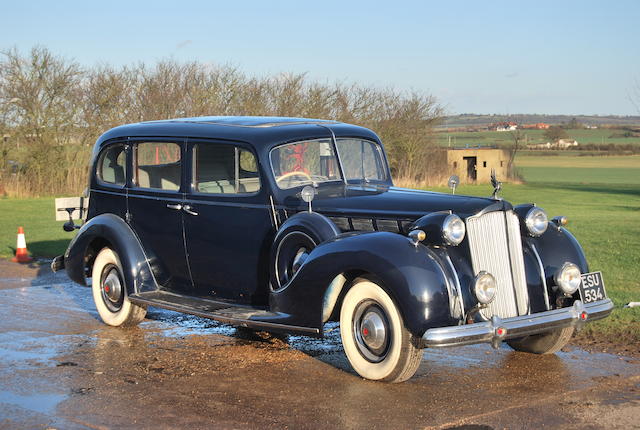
[(155, 202), (228, 223)]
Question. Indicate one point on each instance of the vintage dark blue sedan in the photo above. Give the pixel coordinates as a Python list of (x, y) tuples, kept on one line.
[(285, 224)]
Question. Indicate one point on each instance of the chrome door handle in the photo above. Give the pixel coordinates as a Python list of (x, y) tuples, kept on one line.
[(174, 207), (189, 209)]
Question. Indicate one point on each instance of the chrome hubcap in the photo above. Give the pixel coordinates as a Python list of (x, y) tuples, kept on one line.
[(371, 331), (111, 286)]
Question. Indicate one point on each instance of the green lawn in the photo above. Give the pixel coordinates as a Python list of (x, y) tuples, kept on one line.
[(45, 237)]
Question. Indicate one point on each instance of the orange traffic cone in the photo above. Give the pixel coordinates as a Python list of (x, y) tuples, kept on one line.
[(22, 255)]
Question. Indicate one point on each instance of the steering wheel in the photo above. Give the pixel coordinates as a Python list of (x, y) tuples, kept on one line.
[(294, 173)]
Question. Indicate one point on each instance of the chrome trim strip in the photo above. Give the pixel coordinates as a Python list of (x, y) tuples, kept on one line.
[(543, 278), (457, 283), (486, 332), (273, 213)]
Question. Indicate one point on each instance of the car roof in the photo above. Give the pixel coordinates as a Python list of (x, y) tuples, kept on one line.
[(248, 121), (263, 132)]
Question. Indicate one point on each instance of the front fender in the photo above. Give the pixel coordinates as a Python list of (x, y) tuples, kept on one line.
[(557, 246), (410, 274), (110, 230)]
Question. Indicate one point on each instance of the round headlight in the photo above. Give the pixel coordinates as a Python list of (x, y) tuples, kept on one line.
[(536, 221), (568, 278), (484, 287), (453, 230)]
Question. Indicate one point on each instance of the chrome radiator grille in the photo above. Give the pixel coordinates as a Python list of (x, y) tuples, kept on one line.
[(496, 247)]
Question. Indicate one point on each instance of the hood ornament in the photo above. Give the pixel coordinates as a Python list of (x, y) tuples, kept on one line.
[(497, 185)]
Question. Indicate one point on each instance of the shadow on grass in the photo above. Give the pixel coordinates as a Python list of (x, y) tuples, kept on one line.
[(47, 248)]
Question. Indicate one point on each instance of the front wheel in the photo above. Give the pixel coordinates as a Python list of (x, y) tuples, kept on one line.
[(110, 292), (375, 339), (544, 343)]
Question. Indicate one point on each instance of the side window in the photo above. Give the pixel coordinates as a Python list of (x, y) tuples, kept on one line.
[(158, 165), (112, 165), (225, 169)]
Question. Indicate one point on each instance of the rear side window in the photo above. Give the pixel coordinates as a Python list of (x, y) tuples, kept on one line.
[(158, 165), (112, 166), (225, 169)]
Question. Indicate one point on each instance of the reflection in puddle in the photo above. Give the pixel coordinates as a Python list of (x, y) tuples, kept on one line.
[(43, 403)]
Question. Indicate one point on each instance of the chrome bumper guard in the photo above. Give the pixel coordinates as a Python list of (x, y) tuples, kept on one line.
[(498, 329)]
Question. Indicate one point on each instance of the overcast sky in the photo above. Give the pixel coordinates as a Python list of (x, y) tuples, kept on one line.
[(555, 57)]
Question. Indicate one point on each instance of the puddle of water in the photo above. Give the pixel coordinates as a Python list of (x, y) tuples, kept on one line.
[(39, 402)]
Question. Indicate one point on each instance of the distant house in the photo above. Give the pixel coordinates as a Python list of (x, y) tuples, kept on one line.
[(474, 165), (537, 126), (566, 143), (503, 126), (560, 144)]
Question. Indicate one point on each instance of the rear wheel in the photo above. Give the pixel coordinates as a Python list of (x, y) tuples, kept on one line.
[(375, 339), (544, 343), (110, 292)]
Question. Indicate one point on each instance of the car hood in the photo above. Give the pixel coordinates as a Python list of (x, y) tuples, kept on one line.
[(393, 202)]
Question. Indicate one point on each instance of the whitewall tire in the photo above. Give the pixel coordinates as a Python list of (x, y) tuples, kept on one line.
[(110, 292), (375, 339)]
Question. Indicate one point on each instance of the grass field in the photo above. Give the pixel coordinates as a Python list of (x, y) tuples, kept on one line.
[(599, 195), (45, 237), (565, 168), (583, 136)]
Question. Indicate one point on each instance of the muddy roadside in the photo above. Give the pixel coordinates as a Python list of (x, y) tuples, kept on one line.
[(62, 368)]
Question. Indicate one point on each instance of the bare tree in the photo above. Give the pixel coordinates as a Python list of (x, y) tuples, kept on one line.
[(53, 106), (517, 138), (39, 95)]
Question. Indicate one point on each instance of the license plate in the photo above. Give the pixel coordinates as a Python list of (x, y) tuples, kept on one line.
[(592, 287)]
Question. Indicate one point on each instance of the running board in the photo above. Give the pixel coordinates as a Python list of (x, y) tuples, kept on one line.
[(243, 316)]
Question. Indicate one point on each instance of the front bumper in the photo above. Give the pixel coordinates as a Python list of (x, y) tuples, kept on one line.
[(499, 329)]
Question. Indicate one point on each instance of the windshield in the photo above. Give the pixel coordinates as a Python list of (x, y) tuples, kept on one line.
[(315, 161), (304, 163), (362, 160)]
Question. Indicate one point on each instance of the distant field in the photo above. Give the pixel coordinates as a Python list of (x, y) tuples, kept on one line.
[(486, 138), (587, 170)]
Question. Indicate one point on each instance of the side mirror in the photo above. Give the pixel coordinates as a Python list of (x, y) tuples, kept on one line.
[(453, 182)]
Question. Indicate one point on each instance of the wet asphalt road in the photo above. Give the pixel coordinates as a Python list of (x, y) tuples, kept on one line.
[(62, 368)]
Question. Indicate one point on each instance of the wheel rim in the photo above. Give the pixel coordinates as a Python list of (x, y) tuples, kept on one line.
[(298, 260), (371, 331), (111, 288), (292, 252)]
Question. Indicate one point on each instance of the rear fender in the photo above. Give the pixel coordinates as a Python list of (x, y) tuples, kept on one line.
[(110, 230), (410, 274)]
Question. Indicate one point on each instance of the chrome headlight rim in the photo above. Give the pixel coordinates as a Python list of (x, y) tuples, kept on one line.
[(566, 281), (453, 230), (484, 287), (536, 221)]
